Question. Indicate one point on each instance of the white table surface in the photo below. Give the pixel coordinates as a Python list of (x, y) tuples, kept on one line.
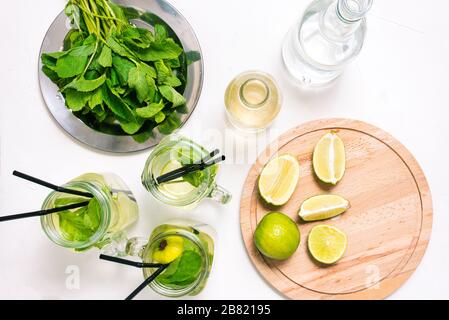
[(399, 83)]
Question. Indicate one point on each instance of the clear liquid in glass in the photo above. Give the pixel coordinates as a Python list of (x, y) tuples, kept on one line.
[(329, 36), (253, 100)]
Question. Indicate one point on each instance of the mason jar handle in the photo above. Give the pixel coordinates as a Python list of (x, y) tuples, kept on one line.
[(220, 195), (120, 246)]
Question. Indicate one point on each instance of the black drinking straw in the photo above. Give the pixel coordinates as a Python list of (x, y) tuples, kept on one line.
[(146, 282), (43, 212), (50, 185), (131, 263), (161, 267), (187, 169), (179, 170)]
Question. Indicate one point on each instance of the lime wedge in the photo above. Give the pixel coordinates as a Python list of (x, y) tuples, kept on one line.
[(329, 160), (323, 207), (278, 179), (327, 244)]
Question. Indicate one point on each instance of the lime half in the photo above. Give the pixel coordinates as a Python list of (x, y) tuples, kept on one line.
[(327, 244), (277, 236)]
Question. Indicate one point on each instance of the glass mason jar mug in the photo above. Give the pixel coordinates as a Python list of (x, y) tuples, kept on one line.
[(186, 246), (111, 209), (188, 191)]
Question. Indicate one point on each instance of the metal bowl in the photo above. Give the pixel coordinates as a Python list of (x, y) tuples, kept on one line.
[(147, 12)]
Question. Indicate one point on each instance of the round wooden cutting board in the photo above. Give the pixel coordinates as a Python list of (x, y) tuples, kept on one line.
[(388, 225)]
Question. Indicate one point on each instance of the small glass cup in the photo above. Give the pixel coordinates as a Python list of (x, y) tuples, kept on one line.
[(97, 224), (195, 237), (173, 152)]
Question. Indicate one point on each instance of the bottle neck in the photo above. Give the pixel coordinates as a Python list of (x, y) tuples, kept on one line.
[(343, 17), (353, 10), (254, 93)]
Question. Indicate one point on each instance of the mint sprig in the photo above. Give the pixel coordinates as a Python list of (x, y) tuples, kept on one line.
[(182, 271)]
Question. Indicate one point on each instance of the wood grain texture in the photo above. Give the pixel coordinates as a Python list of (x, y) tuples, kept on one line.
[(388, 225)]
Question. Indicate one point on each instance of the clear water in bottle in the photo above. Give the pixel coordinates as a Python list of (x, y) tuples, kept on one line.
[(329, 36)]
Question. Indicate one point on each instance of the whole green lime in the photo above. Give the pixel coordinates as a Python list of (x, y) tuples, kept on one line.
[(277, 236)]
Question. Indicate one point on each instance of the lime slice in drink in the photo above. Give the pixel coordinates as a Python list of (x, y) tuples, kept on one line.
[(329, 158), (327, 244), (168, 249), (278, 179), (178, 187), (277, 236), (323, 207)]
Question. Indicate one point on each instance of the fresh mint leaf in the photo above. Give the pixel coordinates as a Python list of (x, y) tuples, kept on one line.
[(167, 49), (194, 178), (50, 59), (150, 71), (163, 72), (137, 80), (137, 38), (65, 201), (74, 38), (51, 74), (172, 81), (76, 100), (150, 110), (95, 99), (131, 13), (143, 136), (119, 49), (192, 56), (131, 127), (82, 51), (79, 224), (172, 95), (170, 124), (122, 67), (159, 117), (185, 271), (69, 65), (173, 63), (92, 215), (118, 13), (160, 33), (105, 58), (74, 61), (113, 79), (84, 85), (116, 104)]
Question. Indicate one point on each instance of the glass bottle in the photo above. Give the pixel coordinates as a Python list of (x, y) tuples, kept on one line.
[(110, 211), (252, 100), (185, 235), (169, 155), (328, 37)]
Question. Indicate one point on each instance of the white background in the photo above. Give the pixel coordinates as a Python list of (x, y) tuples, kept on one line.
[(399, 83)]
